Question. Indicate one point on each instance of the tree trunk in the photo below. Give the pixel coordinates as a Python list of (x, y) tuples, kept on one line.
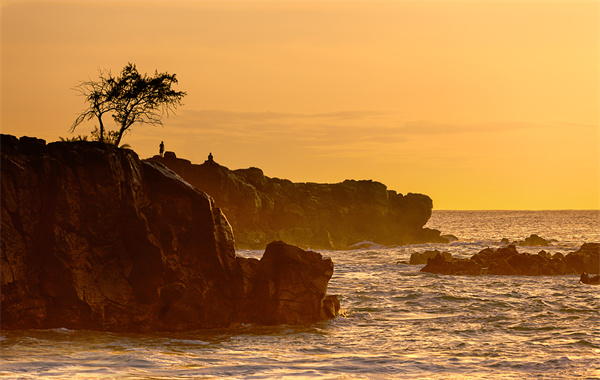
[(101, 128), (120, 135)]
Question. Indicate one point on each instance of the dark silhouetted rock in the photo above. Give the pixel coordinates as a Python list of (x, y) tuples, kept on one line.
[(590, 280), (508, 261), (94, 238), (289, 287), (441, 265), (419, 258), (325, 216), (545, 254), (586, 259), (534, 241)]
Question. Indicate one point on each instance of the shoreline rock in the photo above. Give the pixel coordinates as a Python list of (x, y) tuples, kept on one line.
[(287, 286), (507, 261), (589, 280), (419, 258), (94, 238), (533, 240)]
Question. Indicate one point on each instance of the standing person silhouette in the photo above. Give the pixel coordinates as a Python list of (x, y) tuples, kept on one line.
[(161, 149)]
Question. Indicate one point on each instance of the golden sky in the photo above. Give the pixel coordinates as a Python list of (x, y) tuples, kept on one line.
[(480, 105)]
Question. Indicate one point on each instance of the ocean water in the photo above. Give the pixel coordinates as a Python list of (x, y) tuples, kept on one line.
[(397, 322)]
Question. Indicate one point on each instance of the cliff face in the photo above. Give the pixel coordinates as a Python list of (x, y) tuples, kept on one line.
[(94, 238), (326, 216)]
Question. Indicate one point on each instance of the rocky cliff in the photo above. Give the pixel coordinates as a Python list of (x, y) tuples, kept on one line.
[(94, 238), (324, 216)]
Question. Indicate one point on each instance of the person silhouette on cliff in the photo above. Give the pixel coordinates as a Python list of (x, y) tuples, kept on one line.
[(210, 157), (161, 148)]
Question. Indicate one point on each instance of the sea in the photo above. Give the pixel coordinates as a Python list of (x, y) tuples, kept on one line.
[(396, 322)]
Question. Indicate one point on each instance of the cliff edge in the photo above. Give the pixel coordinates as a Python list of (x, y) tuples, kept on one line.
[(321, 216), (94, 238)]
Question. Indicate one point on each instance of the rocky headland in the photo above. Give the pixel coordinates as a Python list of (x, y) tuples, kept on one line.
[(93, 237), (320, 216), (507, 261)]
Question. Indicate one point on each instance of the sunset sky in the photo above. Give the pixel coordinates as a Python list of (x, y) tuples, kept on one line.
[(480, 105)]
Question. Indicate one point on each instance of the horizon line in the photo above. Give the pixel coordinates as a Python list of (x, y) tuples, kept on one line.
[(498, 209)]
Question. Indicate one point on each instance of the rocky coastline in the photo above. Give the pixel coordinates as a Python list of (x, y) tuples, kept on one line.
[(94, 238), (507, 261), (310, 215)]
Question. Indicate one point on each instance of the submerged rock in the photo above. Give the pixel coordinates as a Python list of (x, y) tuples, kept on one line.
[(534, 241), (508, 261), (418, 258), (590, 280), (94, 238), (442, 265), (450, 238), (366, 245), (324, 216)]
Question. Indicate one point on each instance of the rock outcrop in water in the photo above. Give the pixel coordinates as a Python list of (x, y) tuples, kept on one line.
[(534, 241), (94, 238), (288, 286), (590, 280), (326, 216), (509, 262), (419, 258)]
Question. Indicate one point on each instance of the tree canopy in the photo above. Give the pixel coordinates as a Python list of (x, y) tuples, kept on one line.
[(130, 98)]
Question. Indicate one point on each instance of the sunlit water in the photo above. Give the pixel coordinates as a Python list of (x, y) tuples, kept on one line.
[(397, 322)]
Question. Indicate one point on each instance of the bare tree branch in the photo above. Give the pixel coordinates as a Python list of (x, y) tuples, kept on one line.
[(130, 97)]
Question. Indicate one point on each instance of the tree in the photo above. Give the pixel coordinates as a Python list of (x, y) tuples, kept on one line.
[(131, 97), (144, 99), (101, 96)]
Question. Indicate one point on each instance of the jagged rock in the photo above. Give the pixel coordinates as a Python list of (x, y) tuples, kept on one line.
[(441, 265), (331, 307), (590, 280), (290, 287), (325, 216), (545, 254), (94, 238), (509, 262), (534, 241), (419, 258), (586, 259)]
